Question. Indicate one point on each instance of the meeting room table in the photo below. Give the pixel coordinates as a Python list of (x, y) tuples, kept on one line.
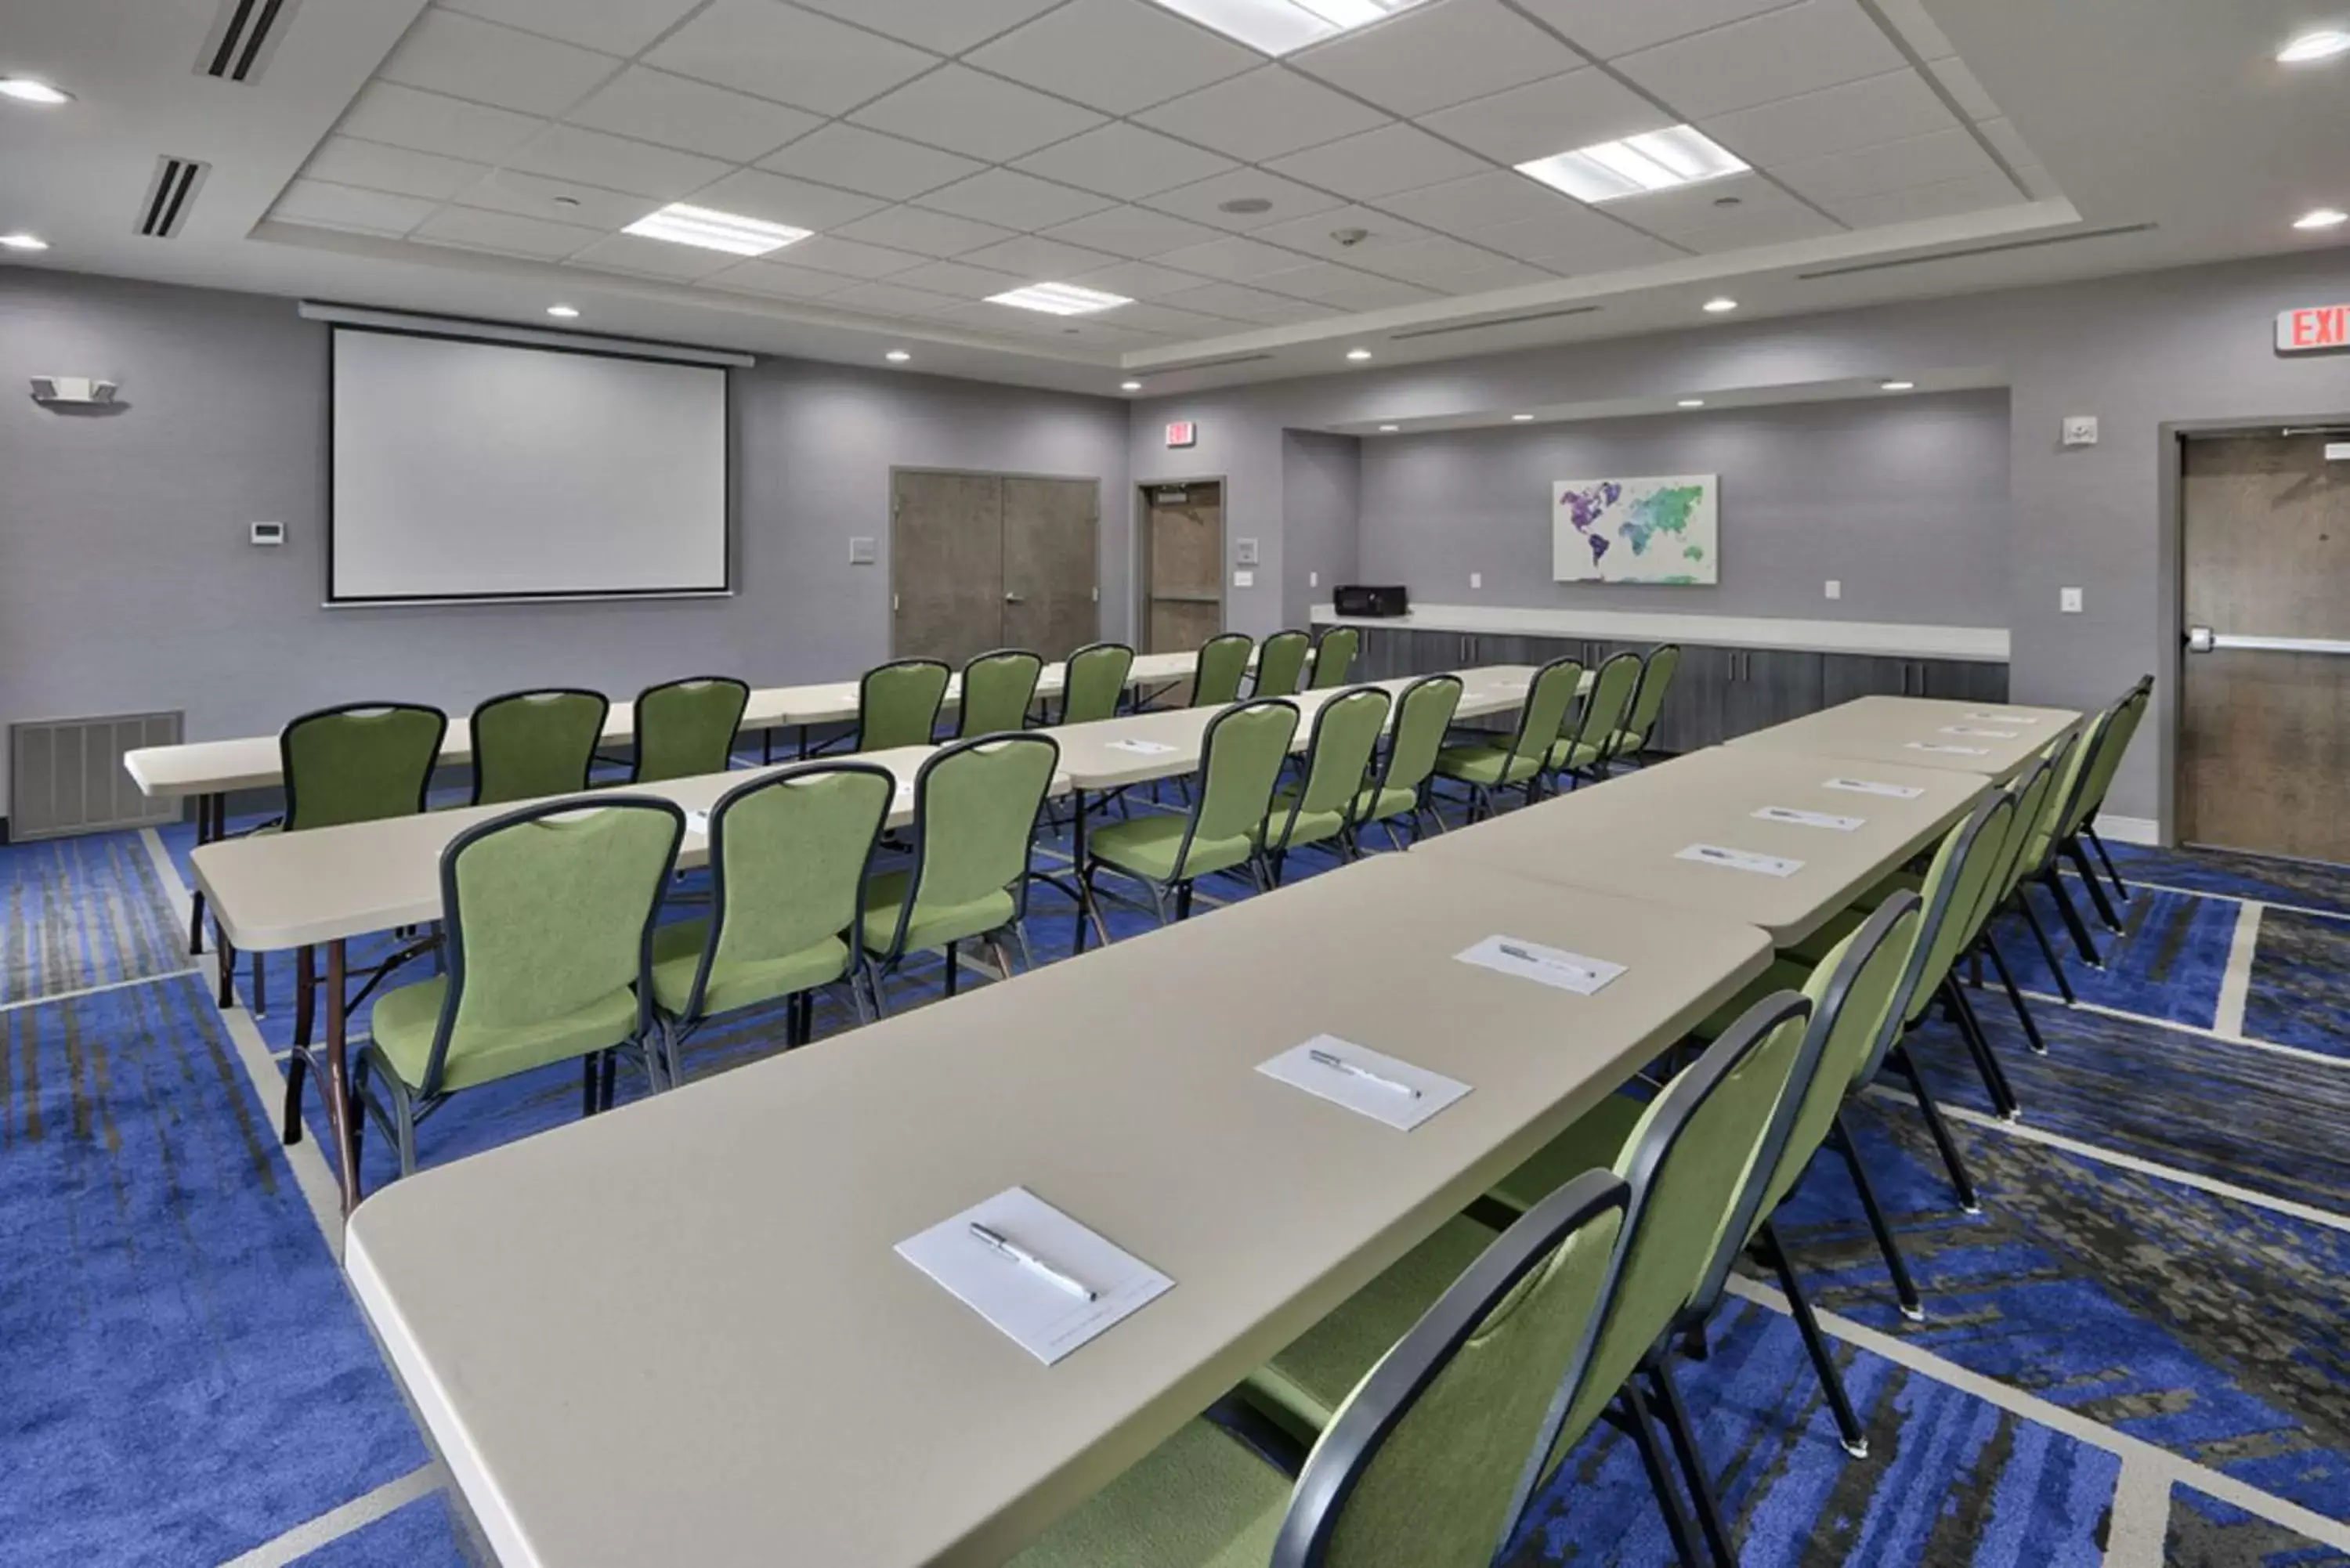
[(1996, 740)]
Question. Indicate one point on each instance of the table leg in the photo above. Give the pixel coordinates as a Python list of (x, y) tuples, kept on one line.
[(206, 807), (803, 742), (767, 747), (1078, 859), (338, 1078)]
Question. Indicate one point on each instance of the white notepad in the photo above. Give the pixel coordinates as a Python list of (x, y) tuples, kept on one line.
[(1949, 751), (1048, 1318), (1365, 1081), (1789, 815), (1871, 786), (1987, 734), (1555, 966), (2005, 718), (1740, 860), (698, 822), (1141, 748)]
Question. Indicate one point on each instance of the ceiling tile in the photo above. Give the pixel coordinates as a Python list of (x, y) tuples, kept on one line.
[(1500, 275), (2007, 141), (2039, 181), (1232, 259), (1326, 283), (1124, 161), (1809, 46), (858, 160), (1014, 201), (615, 26), (347, 207), (922, 231), (755, 193), (535, 196), (1396, 157), (1481, 202), (1116, 55), (1169, 321), (464, 57), (615, 162), (676, 111), (1606, 28), (1960, 79), (1136, 280), (1556, 115), (1039, 260), (964, 111), (961, 281), (778, 281), (1943, 199), (889, 299), (1952, 154), (653, 259), (1576, 239), (795, 56), (850, 258), (431, 122), (1204, 201), (1241, 304), (475, 229), (1264, 114), (948, 27), (1436, 260), (1372, 233), (1834, 120), (342, 160), (1131, 232), (1693, 215), (1436, 55)]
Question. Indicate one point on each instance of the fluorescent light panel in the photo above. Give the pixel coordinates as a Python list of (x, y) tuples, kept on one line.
[(31, 89), (1059, 299), (1279, 26), (2319, 45), (715, 231), (1656, 160)]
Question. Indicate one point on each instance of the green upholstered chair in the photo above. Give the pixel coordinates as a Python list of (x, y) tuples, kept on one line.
[(975, 808), (997, 689), (1656, 672), (2033, 845), (686, 728), (2062, 810), (2030, 790), (1518, 763), (551, 913), (1587, 744), (1093, 682), (1281, 664), (2133, 709), (1241, 758), (1428, 1464), (1333, 657), (897, 704), (1223, 665), (531, 744), (1337, 763), (789, 854), (1423, 717)]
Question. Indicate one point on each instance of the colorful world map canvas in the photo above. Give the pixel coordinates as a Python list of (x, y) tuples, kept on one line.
[(1638, 530)]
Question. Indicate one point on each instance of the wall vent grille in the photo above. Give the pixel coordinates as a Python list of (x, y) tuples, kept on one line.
[(66, 775)]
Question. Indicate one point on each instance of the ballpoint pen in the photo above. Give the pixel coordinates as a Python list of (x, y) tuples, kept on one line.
[(1340, 1065), (1525, 955), (997, 1241)]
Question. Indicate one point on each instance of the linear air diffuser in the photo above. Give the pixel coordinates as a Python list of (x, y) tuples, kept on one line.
[(242, 38)]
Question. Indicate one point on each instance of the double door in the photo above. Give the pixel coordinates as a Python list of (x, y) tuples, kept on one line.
[(983, 561)]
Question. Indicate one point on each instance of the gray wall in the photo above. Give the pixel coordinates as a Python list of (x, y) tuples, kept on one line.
[(1904, 501), (1322, 497), (126, 583), (2195, 344)]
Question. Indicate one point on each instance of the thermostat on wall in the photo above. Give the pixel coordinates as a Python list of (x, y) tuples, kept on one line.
[(268, 533)]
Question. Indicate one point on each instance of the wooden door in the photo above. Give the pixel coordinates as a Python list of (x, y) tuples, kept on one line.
[(1184, 569), (946, 565), (2265, 741), (1050, 580)]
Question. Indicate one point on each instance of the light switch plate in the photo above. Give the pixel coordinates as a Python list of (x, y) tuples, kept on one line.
[(2080, 429), (1836, 588), (2069, 601), (267, 534), (1476, 579), (1313, 580), (861, 551), (1243, 579), (1245, 552)]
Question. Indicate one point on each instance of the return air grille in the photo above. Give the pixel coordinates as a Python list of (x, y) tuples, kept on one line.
[(66, 775), (244, 38), (164, 210)]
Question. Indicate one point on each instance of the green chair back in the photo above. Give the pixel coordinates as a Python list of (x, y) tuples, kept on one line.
[(2065, 795), (687, 727), (359, 763), (1656, 672), (897, 704), (527, 744), (975, 808), (1241, 756), (1423, 717), (1223, 665), (1953, 888), (1338, 758), (2030, 790), (1606, 711), (997, 691), (1280, 663), (550, 910), (788, 856), (1334, 656), (1093, 682), (2113, 744), (1430, 1461), (1549, 696)]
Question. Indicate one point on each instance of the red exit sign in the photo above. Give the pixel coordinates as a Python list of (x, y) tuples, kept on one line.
[(1182, 432), (2318, 326)]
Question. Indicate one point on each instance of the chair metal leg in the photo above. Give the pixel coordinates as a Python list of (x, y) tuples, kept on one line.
[(298, 1067), (1639, 1421), (226, 956), (1840, 1138), (2014, 995), (1960, 1182), (587, 1085), (2105, 906), (2090, 830), (954, 967), (873, 984), (2047, 949), (1674, 1418), (306, 995), (261, 985), (403, 1128), (1970, 1030), (1183, 903), (1854, 1435), (2074, 926), (856, 997)]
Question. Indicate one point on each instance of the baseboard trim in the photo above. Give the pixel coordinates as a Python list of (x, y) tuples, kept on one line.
[(2130, 830)]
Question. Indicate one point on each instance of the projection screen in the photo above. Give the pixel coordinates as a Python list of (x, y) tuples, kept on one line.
[(475, 471)]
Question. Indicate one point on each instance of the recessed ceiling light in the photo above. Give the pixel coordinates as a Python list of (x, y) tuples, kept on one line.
[(1692, 403), (2323, 218), (1060, 299), (565, 311), (1129, 386), (26, 89), (1277, 27), (1660, 161), (1390, 430), (1721, 306), (715, 230), (896, 356), (24, 243), (1522, 418), (2319, 45), (1358, 354), (1898, 386)]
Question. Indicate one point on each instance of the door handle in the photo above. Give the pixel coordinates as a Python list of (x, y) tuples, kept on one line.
[(2203, 639), (1014, 599)]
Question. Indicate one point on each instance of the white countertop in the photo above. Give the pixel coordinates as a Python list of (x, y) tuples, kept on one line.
[(1875, 639)]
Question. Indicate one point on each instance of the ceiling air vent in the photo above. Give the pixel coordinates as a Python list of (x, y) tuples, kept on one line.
[(242, 41), (1493, 321), (164, 210), (1994, 250), (1209, 364)]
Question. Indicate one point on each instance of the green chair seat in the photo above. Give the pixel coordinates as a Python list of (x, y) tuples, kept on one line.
[(1579, 754), (1596, 1142), (1148, 847), (1492, 765), (1198, 1500), (1380, 804), (933, 925), (1311, 826), (405, 1020), (742, 983)]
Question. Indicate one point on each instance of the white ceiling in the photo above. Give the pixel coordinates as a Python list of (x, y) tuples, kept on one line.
[(483, 155)]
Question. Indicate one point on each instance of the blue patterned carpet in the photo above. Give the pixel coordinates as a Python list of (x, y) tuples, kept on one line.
[(185, 1379)]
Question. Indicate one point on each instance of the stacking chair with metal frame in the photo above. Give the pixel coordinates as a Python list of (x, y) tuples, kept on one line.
[(2133, 708), (686, 728), (1492, 766), (531, 744), (2045, 846), (1584, 756), (998, 689), (789, 855), (1281, 664), (1223, 665), (1338, 760), (1630, 743), (1334, 656), (2030, 790), (1400, 792), (1093, 682), (897, 704), (976, 805), (551, 911)]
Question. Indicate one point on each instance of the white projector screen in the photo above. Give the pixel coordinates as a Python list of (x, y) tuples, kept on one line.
[(466, 470)]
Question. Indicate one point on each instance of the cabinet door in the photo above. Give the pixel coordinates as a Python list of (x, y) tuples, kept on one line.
[(1847, 676), (1965, 681), (1767, 687), (1691, 719)]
